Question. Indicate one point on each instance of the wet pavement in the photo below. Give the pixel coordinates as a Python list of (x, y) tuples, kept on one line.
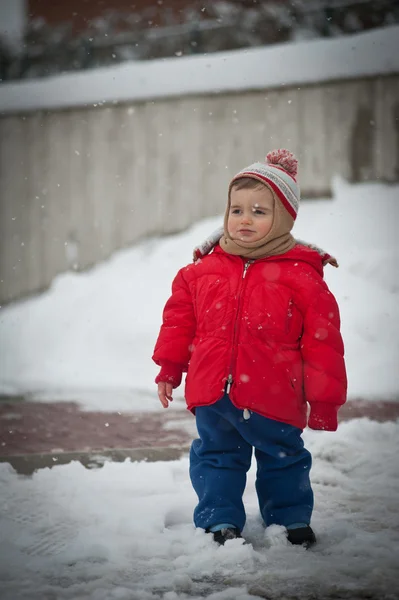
[(27, 427), (54, 433)]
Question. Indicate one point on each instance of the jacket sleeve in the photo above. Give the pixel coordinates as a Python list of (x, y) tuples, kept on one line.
[(322, 349), (173, 347)]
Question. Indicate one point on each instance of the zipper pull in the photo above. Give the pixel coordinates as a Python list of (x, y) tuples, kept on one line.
[(246, 268), (246, 414), (229, 383)]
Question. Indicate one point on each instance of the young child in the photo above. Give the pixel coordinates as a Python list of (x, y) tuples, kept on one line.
[(257, 330)]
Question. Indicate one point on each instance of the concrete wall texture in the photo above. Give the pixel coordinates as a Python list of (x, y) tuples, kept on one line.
[(78, 184)]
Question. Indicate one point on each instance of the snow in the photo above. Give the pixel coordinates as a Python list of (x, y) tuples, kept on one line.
[(90, 337), (125, 532), (293, 63)]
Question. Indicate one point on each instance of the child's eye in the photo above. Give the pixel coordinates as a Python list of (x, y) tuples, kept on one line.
[(235, 211), (259, 212)]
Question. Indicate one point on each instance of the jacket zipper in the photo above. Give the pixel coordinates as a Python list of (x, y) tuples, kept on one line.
[(230, 376), (246, 268)]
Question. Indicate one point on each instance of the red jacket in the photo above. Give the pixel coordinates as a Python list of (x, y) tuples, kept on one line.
[(269, 329)]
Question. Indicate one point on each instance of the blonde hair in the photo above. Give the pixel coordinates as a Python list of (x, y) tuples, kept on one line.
[(248, 183)]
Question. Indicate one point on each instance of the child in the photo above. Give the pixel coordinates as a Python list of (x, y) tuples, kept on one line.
[(258, 332)]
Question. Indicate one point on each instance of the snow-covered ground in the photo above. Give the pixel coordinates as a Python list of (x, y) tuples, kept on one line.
[(124, 532), (90, 336), (293, 63)]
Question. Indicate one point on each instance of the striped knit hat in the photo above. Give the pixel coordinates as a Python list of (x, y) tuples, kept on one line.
[(279, 172)]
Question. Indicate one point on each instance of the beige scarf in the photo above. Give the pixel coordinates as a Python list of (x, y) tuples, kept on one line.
[(278, 241)]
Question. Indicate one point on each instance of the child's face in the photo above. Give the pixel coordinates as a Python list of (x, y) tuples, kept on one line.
[(251, 213)]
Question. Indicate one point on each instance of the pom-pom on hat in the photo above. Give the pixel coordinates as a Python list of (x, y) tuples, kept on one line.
[(279, 171)]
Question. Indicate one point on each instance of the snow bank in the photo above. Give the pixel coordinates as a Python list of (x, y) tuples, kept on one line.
[(124, 532), (90, 336), (296, 63)]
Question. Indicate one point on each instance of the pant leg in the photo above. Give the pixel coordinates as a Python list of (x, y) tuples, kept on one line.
[(219, 461), (283, 465)]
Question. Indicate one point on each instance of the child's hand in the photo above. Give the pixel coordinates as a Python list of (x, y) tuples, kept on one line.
[(165, 391)]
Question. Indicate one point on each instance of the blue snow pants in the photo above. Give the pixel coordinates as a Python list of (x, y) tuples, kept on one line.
[(221, 457)]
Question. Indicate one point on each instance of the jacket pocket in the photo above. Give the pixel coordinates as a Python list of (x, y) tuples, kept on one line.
[(297, 385)]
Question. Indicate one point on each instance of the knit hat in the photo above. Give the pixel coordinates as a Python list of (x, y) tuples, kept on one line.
[(279, 172)]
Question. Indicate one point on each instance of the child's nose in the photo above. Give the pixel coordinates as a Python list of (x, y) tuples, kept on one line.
[(246, 218)]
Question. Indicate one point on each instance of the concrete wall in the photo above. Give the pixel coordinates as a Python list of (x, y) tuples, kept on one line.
[(77, 184)]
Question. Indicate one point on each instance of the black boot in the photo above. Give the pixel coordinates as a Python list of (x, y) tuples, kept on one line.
[(227, 533), (301, 536)]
